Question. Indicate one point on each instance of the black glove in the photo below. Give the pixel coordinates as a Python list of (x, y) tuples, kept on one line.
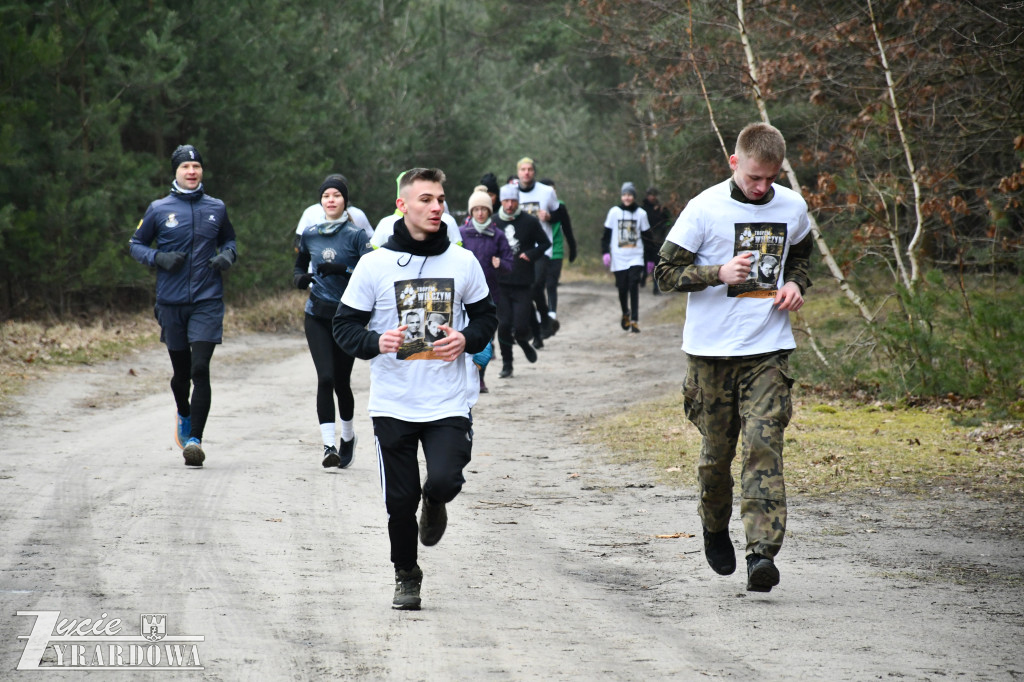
[(171, 261), (302, 281), (327, 268), (572, 253), (222, 261)]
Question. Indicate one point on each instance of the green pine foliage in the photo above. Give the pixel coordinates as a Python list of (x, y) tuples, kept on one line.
[(95, 96)]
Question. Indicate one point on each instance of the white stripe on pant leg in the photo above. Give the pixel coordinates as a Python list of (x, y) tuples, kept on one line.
[(380, 470)]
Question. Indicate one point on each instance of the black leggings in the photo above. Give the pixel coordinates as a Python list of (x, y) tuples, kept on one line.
[(192, 370), (628, 282), (333, 371)]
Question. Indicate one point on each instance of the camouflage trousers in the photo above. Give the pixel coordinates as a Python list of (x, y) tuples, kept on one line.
[(727, 397)]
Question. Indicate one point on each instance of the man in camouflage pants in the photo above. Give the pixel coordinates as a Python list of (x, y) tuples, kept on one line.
[(738, 339)]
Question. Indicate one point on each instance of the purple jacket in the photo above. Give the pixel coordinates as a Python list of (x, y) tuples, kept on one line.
[(484, 247)]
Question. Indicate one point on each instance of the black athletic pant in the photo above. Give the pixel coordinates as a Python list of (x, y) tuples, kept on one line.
[(333, 371), (538, 291), (447, 448), (515, 315), (628, 282), (554, 273), (191, 369)]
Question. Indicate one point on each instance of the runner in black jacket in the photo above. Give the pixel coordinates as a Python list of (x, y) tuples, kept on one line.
[(515, 306)]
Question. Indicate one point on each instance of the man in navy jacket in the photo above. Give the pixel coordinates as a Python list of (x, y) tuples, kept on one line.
[(189, 238)]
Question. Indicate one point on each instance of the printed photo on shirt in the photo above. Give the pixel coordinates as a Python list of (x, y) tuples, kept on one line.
[(767, 243), (629, 233), (423, 305), (413, 320), (531, 207)]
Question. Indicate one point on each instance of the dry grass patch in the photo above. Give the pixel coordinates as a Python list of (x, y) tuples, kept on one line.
[(27, 349), (842, 447)]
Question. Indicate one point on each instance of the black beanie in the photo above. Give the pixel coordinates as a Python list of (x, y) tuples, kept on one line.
[(490, 182), (184, 152), (338, 183)]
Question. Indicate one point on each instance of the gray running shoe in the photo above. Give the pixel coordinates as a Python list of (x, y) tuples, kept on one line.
[(433, 521), (407, 589)]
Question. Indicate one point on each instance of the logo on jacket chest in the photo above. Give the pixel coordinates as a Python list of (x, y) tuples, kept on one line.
[(172, 220), (329, 254)]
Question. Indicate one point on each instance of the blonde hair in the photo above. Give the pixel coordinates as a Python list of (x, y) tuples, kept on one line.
[(763, 143)]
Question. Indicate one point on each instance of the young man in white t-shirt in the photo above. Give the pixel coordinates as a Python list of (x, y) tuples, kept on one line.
[(417, 385), (737, 338), (540, 201)]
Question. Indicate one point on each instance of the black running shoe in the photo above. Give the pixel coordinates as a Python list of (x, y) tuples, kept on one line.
[(528, 351), (433, 521), (346, 452), (331, 458)]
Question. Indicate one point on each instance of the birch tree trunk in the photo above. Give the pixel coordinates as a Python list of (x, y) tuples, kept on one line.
[(819, 240), (914, 248)]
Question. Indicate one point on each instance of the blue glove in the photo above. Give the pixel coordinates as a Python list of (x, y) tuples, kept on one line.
[(222, 261), (483, 357)]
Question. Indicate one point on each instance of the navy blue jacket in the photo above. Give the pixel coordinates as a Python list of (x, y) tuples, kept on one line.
[(195, 224), (329, 243)]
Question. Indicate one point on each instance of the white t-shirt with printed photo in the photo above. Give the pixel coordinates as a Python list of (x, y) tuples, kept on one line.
[(738, 320), (540, 197), (627, 248), (413, 385)]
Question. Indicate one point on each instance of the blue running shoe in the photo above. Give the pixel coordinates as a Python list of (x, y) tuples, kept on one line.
[(184, 429), (193, 453)]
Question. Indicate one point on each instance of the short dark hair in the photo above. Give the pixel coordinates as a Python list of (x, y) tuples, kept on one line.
[(413, 174), (762, 142)]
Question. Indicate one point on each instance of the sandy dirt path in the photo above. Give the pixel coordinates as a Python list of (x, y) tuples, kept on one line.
[(550, 569)]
